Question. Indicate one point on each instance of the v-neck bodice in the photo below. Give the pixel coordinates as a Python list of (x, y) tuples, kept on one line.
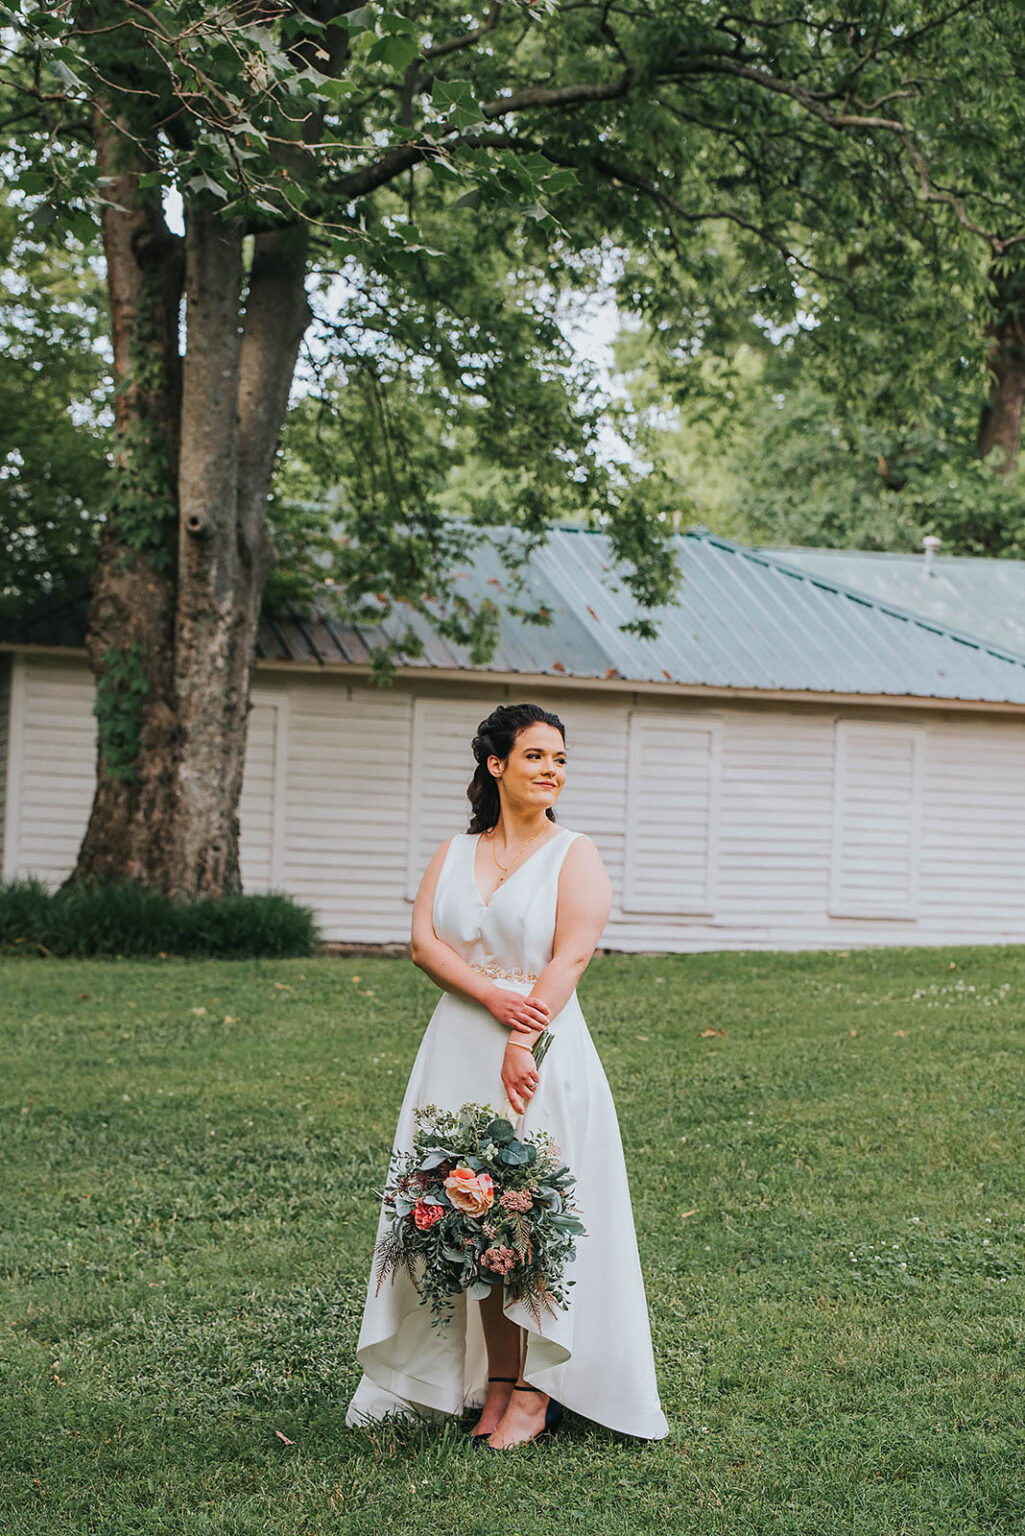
[(503, 883), (514, 930)]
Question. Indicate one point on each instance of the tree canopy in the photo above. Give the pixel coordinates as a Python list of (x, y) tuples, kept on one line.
[(395, 200)]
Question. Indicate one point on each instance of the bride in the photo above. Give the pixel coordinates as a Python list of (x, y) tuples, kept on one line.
[(505, 921)]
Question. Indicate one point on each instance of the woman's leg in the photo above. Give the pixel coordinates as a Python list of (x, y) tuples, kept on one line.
[(504, 1342), (508, 1416)]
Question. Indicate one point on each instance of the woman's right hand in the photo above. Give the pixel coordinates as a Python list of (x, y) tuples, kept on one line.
[(527, 1014)]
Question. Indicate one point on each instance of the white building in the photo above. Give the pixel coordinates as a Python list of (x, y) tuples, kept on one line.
[(793, 763)]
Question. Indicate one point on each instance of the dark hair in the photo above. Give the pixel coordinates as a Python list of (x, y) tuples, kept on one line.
[(496, 737)]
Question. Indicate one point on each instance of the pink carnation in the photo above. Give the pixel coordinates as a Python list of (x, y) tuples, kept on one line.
[(516, 1200), (499, 1260), (426, 1215)]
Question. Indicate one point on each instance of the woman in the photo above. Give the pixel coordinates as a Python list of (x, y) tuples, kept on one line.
[(505, 921)]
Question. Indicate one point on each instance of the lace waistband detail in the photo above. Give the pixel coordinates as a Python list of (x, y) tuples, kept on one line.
[(495, 971)]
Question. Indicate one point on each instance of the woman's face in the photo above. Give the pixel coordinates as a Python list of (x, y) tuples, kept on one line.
[(533, 774)]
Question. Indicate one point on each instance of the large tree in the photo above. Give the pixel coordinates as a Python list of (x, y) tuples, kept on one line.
[(320, 139)]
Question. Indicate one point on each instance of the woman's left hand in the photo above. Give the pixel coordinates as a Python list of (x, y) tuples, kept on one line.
[(519, 1075)]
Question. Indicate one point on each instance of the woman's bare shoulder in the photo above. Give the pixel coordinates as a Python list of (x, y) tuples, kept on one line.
[(582, 855), (439, 855)]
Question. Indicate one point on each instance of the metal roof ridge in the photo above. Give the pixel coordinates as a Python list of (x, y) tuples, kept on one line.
[(892, 554), (840, 589)]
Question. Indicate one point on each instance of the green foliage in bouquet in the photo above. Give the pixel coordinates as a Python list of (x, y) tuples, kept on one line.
[(474, 1206)]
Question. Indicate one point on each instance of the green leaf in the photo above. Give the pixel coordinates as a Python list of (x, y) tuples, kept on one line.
[(32, 182), (201, 182), (354, 21), (456, 97), (395, 51), (559, 180)]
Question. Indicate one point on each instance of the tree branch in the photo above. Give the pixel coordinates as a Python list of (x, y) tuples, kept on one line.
[(403, 156), (438, 50), (814, 103)]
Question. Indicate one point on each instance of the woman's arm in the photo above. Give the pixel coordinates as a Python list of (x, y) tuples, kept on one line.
[(526, 1015), (582, 910)]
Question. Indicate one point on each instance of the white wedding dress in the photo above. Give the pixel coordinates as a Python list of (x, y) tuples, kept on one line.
[(595, 1358)]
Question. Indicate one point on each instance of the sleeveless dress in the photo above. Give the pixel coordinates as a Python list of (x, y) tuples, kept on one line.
[(596, 1357)]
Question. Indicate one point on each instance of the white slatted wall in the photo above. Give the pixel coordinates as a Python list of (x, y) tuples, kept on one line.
[(52, 762), (442, 767), (815, 812), (261, 807), (347, 806)]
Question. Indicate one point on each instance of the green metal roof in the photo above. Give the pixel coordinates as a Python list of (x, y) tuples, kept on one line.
[(746, 619), (985, 597)]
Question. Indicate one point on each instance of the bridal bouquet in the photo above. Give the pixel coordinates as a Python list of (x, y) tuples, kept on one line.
[(474, 1206)]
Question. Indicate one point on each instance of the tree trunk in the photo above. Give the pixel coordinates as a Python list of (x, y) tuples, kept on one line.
[(1000, 421), (234, 400), (186, 550), (129, 636)]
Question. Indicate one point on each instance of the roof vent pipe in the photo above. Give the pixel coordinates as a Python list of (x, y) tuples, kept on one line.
[(930, 544)]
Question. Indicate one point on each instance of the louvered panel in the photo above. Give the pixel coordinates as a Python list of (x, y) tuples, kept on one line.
[(672, 808), (55, 767), (877, 814), (257, 813)]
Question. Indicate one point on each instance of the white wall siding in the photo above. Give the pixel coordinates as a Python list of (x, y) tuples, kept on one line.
[(973, 834), (52, 767), (262, 805), (441, 767), (348, 790), (51, 775), (956, 781), (347, 798), (775, 821)]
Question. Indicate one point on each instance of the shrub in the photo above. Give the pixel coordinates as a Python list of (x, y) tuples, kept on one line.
[(125, 918)]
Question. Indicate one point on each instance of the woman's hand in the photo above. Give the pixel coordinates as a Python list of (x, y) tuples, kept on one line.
[(527, 1014), (519, 1075)]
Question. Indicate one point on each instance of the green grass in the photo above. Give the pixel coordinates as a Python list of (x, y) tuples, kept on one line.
[(189, 1155)]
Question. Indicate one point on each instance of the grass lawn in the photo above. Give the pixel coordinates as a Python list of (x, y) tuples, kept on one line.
[(825, 1154)]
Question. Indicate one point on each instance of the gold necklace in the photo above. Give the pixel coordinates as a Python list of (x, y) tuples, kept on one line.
[(505, 868)]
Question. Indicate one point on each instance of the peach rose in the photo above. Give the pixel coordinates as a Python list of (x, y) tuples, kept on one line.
[(472, 1193)]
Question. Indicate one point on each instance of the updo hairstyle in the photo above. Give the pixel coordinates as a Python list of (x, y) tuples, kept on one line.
[(495, 738)]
